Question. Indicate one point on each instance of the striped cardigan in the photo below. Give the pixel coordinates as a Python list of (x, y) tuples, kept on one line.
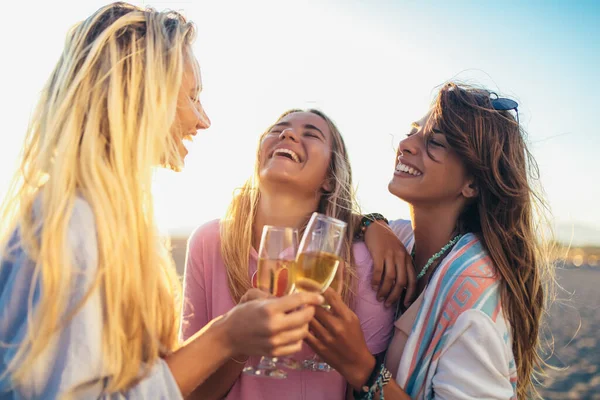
[(460, 346)]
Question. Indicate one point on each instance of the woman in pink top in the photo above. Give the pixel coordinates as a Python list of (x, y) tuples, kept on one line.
[(302, 167)]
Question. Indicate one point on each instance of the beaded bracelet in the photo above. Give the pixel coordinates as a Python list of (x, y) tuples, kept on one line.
[(367, 220), (368, 391)]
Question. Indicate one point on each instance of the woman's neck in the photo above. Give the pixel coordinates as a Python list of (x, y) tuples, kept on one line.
[(282, 209), (433, 229)]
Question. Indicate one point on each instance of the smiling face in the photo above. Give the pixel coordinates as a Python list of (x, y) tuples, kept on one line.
[(427, 170), (190, 117), (297, 151)]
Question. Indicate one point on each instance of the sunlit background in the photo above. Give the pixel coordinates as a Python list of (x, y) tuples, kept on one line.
[(373, 66)]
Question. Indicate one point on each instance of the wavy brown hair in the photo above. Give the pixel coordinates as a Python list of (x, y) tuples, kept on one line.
[(340, 202), (508, 214)]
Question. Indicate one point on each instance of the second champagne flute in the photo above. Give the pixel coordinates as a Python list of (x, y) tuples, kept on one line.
[(276, 255), (317, 262)]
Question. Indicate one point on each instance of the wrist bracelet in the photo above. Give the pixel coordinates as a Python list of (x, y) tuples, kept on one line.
[(240, 362), (380, 377), (367, 220)]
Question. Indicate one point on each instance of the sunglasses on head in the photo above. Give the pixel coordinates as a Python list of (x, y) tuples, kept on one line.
[(504, 104)]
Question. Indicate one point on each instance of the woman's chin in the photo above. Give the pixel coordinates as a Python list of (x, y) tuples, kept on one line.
[(274, 175), (398, 189), (279, 182)]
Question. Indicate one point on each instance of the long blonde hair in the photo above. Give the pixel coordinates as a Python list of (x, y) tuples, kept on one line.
[(340, 203), (102, 123), (509, 213)]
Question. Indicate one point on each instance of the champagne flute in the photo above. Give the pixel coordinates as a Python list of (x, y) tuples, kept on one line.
[(316, 363), (317, 263), (276, 255)]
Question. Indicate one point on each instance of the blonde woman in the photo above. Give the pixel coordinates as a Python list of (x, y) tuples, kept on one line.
[(302, 166), (88, 292)]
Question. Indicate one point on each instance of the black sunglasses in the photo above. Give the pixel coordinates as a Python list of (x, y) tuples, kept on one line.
[(504, 104)]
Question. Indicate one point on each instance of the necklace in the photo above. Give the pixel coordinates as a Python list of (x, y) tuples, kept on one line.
[(437, 255), (434, 257)]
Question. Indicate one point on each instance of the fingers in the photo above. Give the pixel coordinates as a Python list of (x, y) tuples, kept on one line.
[(319, 331), (254, 294), (280, 333), (293, 301), (400, 283), (315, 344), (389, 277), (377, 271), (336, 323), (289, 337), (325, 320), (287, 350), (293, 320), (411, 285), (335, 301), (395, 294)]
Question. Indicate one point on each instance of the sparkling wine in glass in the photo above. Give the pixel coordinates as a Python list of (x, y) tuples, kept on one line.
[(276, 256), (317, 263)]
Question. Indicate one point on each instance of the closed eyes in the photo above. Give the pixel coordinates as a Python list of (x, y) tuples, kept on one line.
[(436, 143)]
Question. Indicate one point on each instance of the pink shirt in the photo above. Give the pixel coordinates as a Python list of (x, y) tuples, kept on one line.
[(207, 296)]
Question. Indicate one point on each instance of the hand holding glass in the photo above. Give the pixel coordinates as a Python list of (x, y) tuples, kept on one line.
[(317, 263), (277, 252)]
